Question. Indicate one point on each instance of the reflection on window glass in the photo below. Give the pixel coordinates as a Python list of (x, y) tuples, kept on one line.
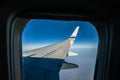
[(59, 50)]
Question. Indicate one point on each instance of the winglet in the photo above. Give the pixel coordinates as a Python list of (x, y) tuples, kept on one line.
[(74, 34)]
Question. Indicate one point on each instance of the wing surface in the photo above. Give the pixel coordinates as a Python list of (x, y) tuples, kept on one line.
[(52, 55), (58, 51)]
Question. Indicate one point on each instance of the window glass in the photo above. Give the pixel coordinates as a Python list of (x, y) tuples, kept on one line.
[(59, 50)]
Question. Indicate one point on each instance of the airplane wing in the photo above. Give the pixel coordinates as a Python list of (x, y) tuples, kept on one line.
[(56, 51)]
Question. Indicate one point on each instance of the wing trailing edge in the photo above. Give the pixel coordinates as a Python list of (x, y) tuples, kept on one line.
[(67, 65)]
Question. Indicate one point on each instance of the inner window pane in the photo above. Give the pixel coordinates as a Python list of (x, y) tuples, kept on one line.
[(59, 50)]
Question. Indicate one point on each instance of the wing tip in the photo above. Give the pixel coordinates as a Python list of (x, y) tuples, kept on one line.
[(74, 34)]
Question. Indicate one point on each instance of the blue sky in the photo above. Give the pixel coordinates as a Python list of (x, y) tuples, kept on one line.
[(42, 32)]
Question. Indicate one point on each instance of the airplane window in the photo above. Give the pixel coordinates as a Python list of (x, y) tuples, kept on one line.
[(59, 50)]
